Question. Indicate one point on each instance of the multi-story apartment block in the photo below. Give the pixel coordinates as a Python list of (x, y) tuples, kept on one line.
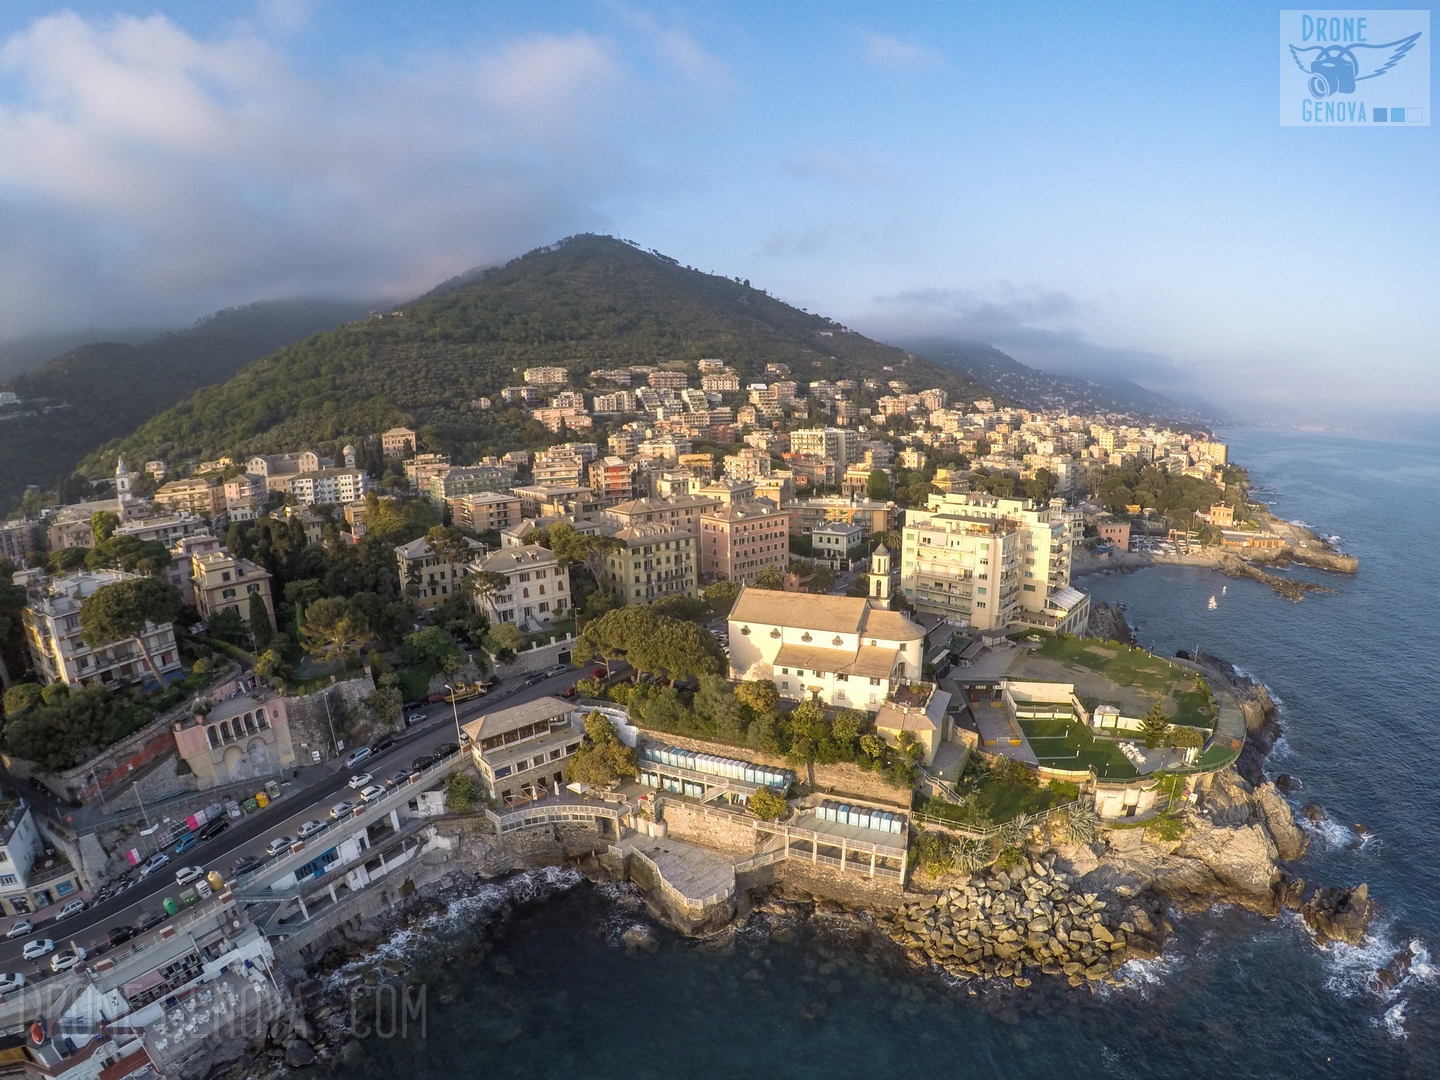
[(165, 529), (536, 590), (568, 399), (710, 364), (196, 495), (993, 561), (615, 376), (679, 510), (485, 511), (542, 500), (225, 582), (559, 466), (738, 539), (244, 496), (725, 383), (429, 578), (623, 443), (933, 399), (836, 541), (181, 552), (522, 395), (329, 487), (18, 538), (807, 514), (469, 480), (277, 469), (668, 380), (657, 560), (422, 468), (52, 633), (545, 376), (748, 464), (613, 480), (840, 649), (832, 444), (618, 403), (398, 442)]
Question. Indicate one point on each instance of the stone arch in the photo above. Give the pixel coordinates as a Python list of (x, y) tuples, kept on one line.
[(258, 756), (214, 735), (235, 765)]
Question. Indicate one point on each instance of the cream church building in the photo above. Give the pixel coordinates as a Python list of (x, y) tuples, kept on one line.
[(841, 649)]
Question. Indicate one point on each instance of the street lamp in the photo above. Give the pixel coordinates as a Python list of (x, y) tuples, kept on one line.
[(455, 708)]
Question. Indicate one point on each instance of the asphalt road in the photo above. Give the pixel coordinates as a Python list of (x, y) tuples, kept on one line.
[(248, 836)]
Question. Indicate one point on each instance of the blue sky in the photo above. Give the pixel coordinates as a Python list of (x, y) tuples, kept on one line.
[(1092, 187)]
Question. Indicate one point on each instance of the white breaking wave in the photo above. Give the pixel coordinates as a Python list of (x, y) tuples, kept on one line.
[(1394, 1020), (460, 913)]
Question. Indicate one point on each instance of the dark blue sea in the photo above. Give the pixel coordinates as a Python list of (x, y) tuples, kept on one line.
[(531, 979)]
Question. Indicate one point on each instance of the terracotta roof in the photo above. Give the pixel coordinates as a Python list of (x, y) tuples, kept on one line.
[(891, 626), (836, 614), (876, 663), (518, 558)]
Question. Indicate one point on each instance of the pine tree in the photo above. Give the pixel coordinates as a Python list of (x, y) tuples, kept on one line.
[(1155, 725)]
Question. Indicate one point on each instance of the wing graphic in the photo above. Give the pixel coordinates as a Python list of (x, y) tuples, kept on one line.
[(1304, 65), (1401, 47)]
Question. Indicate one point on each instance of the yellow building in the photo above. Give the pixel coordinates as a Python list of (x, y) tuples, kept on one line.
[(224, 582), (658, 560)]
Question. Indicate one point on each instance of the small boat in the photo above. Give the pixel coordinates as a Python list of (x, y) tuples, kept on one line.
[(1224, 589), (1213, 604)]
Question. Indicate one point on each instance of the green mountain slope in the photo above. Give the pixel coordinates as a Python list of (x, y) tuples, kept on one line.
[(587, 302), (73, 404)]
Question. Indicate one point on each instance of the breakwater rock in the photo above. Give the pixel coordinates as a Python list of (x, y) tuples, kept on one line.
[(1107, 621), (1233, 566), (1027, 922)]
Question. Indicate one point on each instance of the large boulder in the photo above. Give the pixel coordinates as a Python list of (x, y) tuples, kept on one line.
[(1334, 914), (1230, 799), (298, 1054), (1290, 839)]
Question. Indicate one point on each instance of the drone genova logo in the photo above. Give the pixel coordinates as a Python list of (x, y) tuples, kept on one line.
[(1351, 68)]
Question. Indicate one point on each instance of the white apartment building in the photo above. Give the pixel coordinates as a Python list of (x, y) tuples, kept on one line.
[(838, 649), (546, 376), (994, 562), (536, 590), (328, 487), (832, 444), (52, 633)]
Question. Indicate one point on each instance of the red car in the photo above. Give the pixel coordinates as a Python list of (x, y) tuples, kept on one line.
[(598, 673), (568, 692)]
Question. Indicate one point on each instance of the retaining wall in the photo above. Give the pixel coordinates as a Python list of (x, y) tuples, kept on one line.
[(709, 831)]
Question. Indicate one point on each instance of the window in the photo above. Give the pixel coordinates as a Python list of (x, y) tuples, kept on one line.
[(503, 771), (874, 682), (7, 879)]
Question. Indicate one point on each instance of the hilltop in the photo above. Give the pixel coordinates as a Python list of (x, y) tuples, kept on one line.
[(588, 302), (74, 403)]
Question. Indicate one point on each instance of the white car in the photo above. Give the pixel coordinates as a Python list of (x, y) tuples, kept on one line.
[(20, 929), (341, 809), (357, 782), (279, 844), (10, 983), (34, 950), (187, 874), (66, 960), (371, 793), (72, 908), (310, 828)]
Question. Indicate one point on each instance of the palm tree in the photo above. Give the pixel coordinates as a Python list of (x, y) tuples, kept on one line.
[(770, 577)]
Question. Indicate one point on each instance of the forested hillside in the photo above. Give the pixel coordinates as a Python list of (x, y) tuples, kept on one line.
[(587, 302), (73, 404)]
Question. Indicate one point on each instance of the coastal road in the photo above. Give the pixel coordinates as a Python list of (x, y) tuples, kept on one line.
[(249, 835)]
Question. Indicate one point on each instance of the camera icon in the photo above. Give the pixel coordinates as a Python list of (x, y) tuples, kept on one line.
[(1333, 72)]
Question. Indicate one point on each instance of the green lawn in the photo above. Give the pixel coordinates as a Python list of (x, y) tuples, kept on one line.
[(1118, 663), (1069, 744), (1193, 709)]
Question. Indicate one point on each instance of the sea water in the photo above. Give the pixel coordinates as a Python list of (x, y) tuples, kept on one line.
[(555, 993)]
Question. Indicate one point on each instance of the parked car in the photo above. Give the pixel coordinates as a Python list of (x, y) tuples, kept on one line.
[(34, 950), (415, 716), (536, 679), (243, 866), (395, 779), (597, 673), (371, 793), (384, 744), (311, 827), (121, 934), (20, 929), (445, 749), (558, 669), (66, 960), (341, 809), (149, 919), (187, 841), (212, 829), (423, 762), (155, 862), (279, 844), (360, 780), (568, 692), (74, 907), (10, 983), (187, 874), (358, 756)]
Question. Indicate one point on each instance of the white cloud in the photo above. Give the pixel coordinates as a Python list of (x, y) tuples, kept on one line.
[(149, 173), (888, 51)]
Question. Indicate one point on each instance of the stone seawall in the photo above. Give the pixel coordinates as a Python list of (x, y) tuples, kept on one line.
[(714, 831)]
